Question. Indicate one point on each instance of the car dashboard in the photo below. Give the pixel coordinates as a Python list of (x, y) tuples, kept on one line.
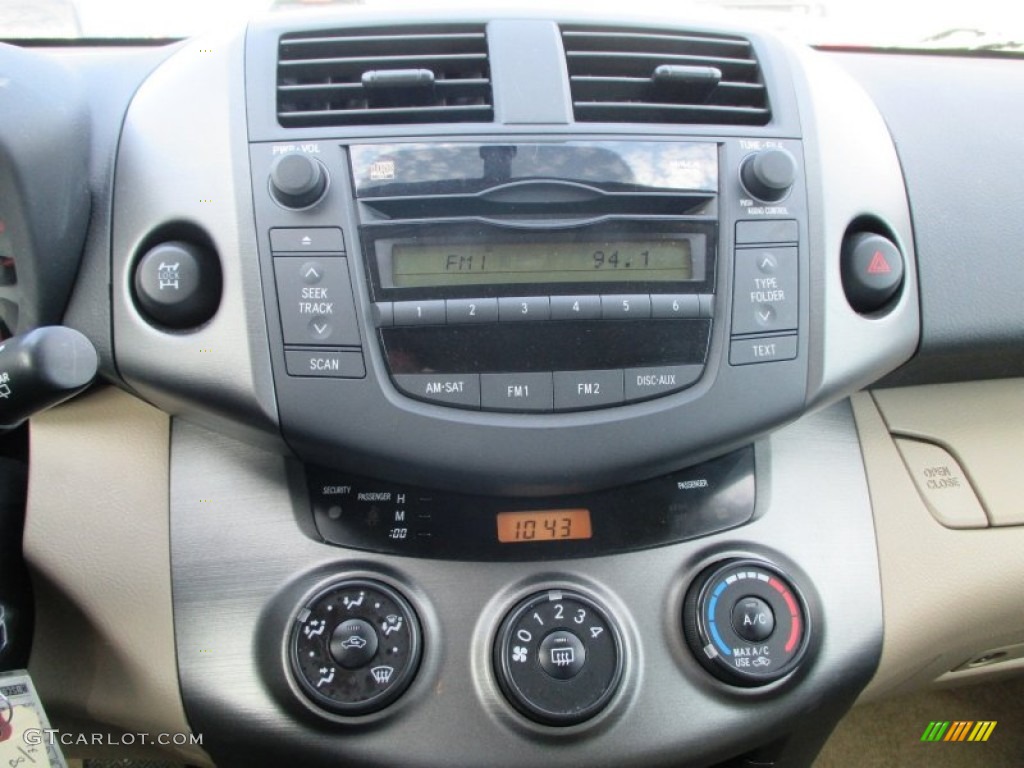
[(515, 389)]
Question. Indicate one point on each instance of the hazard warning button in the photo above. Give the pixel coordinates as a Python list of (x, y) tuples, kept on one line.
[(872, 269)]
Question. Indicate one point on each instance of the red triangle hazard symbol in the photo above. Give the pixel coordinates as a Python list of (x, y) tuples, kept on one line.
[(878, 265)]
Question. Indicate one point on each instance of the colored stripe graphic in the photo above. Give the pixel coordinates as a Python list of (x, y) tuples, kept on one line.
[(959, 730), (982, 730)]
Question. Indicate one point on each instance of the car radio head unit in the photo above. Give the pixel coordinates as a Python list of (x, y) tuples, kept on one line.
[(490, 261)]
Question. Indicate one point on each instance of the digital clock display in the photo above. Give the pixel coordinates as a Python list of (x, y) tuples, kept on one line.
[(419, 265), (544, 525)]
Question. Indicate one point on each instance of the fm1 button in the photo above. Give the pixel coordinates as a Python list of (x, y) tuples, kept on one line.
[(753, 620), (354, 643), (562, 655)]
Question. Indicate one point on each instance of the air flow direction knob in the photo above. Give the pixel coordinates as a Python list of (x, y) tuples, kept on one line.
[(769, 174), (297, 180)]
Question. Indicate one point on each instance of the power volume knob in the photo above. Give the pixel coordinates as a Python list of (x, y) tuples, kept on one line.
[(769, 174), (297, 181)]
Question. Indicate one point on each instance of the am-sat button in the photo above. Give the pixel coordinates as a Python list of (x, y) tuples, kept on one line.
[(462, 389)]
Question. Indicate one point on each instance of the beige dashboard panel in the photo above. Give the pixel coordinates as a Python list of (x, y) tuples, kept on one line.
[(980, 423), (97, 542), (948, 595)]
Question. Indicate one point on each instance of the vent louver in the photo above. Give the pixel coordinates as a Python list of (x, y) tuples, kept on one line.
[(657, 76), (394, 75)]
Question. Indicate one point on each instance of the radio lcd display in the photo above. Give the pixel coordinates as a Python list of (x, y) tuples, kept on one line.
[(420, 265)]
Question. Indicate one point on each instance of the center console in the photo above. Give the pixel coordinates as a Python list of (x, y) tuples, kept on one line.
[(516, 383)]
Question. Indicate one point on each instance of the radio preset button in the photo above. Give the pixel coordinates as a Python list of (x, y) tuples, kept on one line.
[(472, 311), (675, 305), (575, 307), (461, 389), (707, 305), (384, 314), (516, 391), (645, 383), (420, 312), (522, 308), (587, 389), (626, 307)]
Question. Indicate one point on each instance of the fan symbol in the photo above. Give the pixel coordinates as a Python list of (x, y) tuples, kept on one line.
[(519, 654)]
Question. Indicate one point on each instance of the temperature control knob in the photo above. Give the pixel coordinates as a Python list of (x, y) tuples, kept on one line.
[(745, 622), (297, 180), (769, 174)]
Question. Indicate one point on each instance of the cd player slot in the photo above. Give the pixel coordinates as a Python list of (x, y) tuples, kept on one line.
[(548, 199)]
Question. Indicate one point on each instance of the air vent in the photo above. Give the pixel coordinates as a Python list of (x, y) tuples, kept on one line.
[(656, 76), (393, 75)]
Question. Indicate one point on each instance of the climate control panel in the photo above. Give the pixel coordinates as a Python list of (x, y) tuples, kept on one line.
[(558, 655)]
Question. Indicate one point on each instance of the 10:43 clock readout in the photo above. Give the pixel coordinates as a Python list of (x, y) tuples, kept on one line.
[(544, 525)]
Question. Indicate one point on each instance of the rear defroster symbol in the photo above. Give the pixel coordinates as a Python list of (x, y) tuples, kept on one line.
[(563, 657)]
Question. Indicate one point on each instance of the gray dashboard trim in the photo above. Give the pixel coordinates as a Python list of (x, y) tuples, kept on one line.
[(182, 159), (240, 564), (956, 124), (853, 173), (111, 78)]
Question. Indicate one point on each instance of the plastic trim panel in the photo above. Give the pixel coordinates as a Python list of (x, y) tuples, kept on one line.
[(241, 564)]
